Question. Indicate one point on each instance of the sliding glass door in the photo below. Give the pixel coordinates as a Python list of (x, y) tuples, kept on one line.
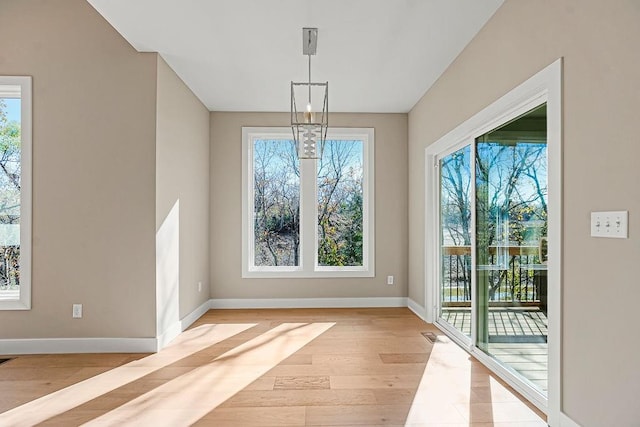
[(492, 245), (511, 230)]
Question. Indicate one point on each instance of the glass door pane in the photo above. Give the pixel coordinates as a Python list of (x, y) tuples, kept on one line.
[(511, 229), (455, 239)]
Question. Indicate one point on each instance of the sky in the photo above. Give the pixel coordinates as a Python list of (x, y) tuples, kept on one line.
[(13, 109)]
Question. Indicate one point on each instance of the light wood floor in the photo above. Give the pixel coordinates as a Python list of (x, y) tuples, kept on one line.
[(335, 367)]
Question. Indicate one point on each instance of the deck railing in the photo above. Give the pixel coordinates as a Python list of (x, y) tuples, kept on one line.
[(520, 280)]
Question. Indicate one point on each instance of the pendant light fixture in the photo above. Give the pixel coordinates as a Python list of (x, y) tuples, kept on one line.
[(311, 123)]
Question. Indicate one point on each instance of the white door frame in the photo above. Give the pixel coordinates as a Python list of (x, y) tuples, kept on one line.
[(544, 86)]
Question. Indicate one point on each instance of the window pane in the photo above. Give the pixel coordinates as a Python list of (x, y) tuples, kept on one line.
[(10, 172), (276, 203), (455, 239), (511, 232), (340, 197)]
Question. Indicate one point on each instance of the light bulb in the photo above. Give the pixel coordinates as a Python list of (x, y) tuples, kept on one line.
[(308, 115)]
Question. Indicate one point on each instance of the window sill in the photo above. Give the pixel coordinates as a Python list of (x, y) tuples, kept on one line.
[(317, 274)]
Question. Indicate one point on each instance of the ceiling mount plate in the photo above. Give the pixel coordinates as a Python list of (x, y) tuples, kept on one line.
[(309, 41)]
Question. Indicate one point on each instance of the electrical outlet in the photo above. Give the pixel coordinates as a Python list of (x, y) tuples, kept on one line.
[(389, 280), (77, 311), (613, 224), (199, 286)]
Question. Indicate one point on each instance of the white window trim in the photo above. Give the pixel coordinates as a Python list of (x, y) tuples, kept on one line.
[(20, 87), (308, 267)]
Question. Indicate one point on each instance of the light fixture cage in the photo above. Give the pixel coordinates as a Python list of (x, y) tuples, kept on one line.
[(310, 124), (310, 127)]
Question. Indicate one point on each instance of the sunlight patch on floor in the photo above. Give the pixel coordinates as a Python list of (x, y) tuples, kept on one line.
[(188, 343), (457, 390), (186, 399)]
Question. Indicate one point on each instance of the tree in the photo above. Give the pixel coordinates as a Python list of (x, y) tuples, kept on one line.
[(510, 192), (10, 142), (509, 195), (456, 213), (276, 203), (340, 204)]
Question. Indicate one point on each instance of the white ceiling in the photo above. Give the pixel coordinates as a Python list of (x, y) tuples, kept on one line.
[(241, 55)]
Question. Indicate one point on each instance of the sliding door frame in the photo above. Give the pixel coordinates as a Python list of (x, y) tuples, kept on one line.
[(543, 87), (434, 165)]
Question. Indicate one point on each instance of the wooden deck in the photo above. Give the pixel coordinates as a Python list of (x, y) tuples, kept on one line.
[(517, 338), (528, 359), (517, 323)]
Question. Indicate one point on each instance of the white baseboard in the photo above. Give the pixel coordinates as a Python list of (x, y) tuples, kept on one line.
[(417, 309), (195, 314), (178, 327), (151, 345), (77, 345), (167, 336), (101, 345), (565, 421), (309, 303)]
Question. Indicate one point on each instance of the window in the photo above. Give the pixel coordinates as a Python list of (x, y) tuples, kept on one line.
[(15, 193), (309, 218)]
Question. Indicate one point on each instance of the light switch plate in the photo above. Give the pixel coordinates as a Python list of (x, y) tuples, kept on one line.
[(77, 311), (614, 224)]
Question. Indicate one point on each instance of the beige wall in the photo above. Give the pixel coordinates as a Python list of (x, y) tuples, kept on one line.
[(182, 195), (93, 171), (390, 214), (601, 94)]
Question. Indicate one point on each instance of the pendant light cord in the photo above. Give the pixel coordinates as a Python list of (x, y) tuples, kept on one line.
[(309, 55)]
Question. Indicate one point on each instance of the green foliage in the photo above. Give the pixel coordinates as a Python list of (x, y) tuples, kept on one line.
[(9, 138), (340, 205), (9, 133), (341, 234)]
